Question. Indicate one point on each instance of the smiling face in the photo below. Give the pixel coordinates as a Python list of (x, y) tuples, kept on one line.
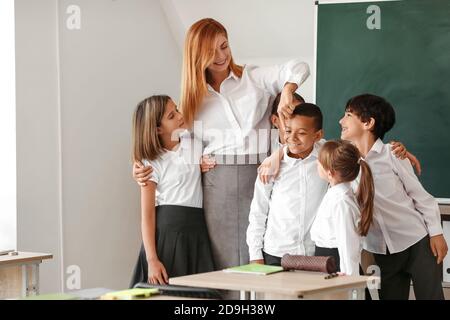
[(352, 127), (172, 121), (301, 134), (222, 56)]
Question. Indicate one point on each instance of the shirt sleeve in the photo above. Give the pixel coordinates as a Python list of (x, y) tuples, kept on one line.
[(259, 211), (273, 78), (347, 237), (423, 201), (156, 171)]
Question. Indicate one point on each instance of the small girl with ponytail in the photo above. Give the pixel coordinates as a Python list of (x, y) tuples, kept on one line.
[(343, 216)]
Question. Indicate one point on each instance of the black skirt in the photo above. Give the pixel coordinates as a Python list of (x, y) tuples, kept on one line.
[(182, 243)]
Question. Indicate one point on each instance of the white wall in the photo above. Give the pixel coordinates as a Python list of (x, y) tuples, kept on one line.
[(8, 238), (38, 157), (123, 52)]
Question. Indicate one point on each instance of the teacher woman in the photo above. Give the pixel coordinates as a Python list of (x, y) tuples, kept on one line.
[(226, 106)]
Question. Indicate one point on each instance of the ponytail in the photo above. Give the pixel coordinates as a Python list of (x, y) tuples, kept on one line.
[(343, 158), (365, 195)]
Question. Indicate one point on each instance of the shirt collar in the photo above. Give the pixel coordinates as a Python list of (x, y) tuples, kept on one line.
[(185, 142), (292, 161), (340, 188), (377, 146), (230, 76)]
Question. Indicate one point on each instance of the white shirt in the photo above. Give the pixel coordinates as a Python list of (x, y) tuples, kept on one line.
[(404, 212), (336, 226), (275, 143), (177, 174), (236, 120), (282, 212)]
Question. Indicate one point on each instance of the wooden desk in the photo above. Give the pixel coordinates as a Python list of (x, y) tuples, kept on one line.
[(445, 212), (19, 275), (285, 285)]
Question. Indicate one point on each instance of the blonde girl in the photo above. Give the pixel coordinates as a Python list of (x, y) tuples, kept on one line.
[(174, 235)]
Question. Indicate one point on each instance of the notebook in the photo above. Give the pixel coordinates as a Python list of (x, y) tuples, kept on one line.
[(255, 268), (130, 294)]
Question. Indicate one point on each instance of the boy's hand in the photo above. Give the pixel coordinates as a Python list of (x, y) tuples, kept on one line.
[(207, 163), (400, 152), (259, 261), (141, 174), (439, 247)]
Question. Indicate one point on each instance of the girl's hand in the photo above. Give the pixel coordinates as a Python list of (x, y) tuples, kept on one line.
[(207, 163), (439, 247), (156, 272), (259, 261), (270, 167), (141, 174)]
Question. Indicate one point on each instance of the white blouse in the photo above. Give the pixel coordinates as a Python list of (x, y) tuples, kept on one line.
[(177, 174), (336, 226), (236, 119)]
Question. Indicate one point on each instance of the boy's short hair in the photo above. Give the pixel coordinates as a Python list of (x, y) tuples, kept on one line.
[(276, 102), (310, 110), (368, 106)]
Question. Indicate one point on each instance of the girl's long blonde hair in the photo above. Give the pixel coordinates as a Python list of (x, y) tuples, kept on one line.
[(146, 120), (199, 50), (344, 159)]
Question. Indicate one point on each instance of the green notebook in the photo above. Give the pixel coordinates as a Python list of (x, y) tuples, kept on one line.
[(130, 294), (255, 268)]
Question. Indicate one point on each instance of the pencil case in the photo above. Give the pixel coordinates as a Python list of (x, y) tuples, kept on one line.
[(309, 263)]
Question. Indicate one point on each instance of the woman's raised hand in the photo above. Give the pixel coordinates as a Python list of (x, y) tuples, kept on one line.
[(141, 173), (287, 102)]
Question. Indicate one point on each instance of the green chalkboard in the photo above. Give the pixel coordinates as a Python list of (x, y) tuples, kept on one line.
[(406, 60)]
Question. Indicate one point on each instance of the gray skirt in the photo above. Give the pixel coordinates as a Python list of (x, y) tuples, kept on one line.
[(227, 196)]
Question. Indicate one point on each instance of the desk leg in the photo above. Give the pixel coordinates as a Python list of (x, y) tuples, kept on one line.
[(24, 281), (35, 279), (243, 295), (27, 287), (357, 294)]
